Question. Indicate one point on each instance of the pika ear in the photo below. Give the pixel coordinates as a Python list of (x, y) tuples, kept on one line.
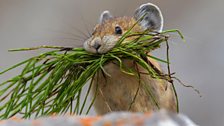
[(105, 16), (151, 15)]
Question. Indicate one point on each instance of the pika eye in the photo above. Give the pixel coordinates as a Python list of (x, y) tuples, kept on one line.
[(118, 30)]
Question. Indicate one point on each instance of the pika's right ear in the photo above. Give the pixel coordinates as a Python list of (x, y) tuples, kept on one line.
[(151, 15), (105, 16)]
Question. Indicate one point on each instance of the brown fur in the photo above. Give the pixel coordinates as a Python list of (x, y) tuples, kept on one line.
[(117, 91)]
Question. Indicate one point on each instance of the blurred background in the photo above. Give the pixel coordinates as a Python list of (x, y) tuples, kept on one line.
[(199, 61)]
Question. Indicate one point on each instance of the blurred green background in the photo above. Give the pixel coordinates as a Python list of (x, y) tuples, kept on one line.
[(199, 62)]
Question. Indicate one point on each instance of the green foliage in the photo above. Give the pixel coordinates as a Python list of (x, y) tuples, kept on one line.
[(52, 82)]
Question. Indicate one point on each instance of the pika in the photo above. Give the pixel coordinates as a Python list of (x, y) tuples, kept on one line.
[(117, 91)]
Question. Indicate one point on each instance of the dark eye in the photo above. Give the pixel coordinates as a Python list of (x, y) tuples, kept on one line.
[(118, 30)]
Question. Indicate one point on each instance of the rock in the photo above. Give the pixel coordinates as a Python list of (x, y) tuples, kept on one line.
[(161, 118)]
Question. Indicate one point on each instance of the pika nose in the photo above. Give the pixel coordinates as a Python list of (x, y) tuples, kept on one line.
[(96, 46)]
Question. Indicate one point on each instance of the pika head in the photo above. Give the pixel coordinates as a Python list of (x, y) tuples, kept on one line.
[(110, 29)]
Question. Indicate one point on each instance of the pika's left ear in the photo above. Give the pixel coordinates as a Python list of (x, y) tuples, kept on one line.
[(151, 15), (105, 15)]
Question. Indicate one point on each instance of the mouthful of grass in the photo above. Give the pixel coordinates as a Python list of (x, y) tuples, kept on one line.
[(52, 82)]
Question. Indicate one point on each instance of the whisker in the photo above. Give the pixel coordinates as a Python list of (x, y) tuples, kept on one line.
[(79, 46), (80, 34), (75, 39), (72, 34), (80, 31), (84, 22), (75, 35), (79, 40)]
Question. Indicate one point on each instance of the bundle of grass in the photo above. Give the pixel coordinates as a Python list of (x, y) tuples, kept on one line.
[(52, 82)]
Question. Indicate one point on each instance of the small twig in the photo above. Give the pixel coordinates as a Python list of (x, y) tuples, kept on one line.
[(169, 74), (105, 100), (188, 86), (100, 91), (40, 47), (66, 49), (101, 66), (139, 83)]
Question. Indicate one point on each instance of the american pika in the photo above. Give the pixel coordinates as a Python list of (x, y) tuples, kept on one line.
[(117, 91)]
